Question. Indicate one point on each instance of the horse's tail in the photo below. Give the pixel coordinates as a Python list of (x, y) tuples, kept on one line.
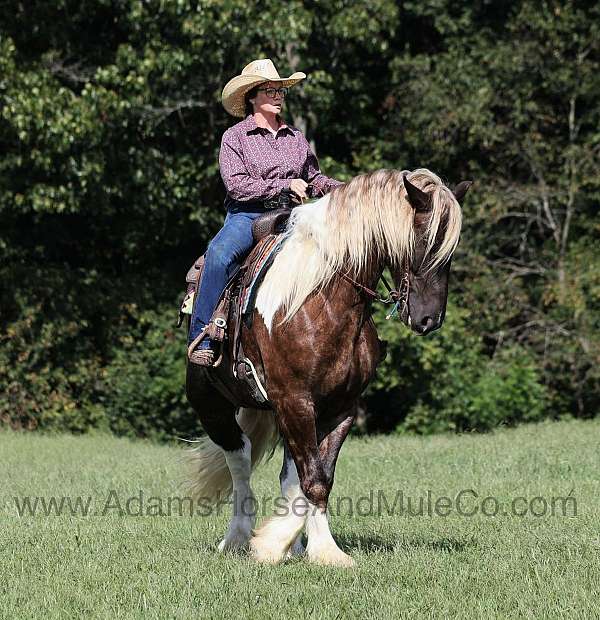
[(210, 479)]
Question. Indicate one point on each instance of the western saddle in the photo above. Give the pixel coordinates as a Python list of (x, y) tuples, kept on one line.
[(235, 307)]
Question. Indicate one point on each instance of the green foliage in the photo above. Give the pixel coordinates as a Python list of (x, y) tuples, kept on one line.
[(110, 124), (48, 368), (91, 358), (143, 385), (446, 382), (481, 397)]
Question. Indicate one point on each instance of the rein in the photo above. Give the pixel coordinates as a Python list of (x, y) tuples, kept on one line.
[(398, 298)]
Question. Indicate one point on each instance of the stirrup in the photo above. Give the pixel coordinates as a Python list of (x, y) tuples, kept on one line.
[(201, 357)]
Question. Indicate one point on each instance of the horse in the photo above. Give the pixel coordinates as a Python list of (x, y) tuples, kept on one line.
[(314, 345)]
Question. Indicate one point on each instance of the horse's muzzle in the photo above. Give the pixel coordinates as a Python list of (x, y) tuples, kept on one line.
[(424, 325)]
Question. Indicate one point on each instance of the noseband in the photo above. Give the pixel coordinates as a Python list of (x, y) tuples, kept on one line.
[(397, 297)]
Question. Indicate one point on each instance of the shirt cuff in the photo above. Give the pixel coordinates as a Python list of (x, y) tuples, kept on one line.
[(282, 184), (322, 186)]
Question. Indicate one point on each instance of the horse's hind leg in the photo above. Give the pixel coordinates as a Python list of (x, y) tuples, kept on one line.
[(239, 463), (259, 435), (222, 461)]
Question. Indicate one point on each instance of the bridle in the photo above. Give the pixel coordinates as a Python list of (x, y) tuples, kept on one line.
[(397, 297)]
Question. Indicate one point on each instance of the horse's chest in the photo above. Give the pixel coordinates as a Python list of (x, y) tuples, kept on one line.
[(351, 365), (328, 366)]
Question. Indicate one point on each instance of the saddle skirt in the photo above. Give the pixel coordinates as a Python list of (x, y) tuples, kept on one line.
[(264, 228), (249, 275)]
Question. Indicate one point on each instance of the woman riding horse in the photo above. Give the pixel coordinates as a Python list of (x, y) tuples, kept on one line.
[(259, 157), (313, 344)]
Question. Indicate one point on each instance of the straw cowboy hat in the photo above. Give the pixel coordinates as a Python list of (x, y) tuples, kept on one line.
[(253, 74)]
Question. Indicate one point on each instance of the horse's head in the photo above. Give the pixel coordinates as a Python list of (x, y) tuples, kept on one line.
[(426, 271)]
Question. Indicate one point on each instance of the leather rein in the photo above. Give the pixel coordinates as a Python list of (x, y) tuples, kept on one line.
[(397, 297)]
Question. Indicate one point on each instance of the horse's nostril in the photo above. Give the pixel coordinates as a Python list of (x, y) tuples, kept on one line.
[(426, 321)]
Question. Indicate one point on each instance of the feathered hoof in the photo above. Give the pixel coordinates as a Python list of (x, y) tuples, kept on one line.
[(274, 538), (234, 541), (266, 551), (330, 556)]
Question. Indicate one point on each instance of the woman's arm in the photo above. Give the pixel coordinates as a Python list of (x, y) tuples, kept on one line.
[(238, 182), (311, 173)]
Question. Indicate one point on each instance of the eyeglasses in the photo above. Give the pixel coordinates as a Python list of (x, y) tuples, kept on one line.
[(272, 92)]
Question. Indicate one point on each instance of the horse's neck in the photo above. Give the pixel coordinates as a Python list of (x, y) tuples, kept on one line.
[(368, 277), (370, 274)]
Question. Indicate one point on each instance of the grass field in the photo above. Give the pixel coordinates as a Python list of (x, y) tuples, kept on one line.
[(408, 565)]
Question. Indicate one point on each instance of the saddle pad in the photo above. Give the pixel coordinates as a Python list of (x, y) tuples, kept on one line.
[(271, 245)]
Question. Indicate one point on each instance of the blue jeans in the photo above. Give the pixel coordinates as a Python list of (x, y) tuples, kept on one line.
[(225, 253)]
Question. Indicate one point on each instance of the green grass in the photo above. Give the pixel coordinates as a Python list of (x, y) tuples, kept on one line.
[(407, 566)]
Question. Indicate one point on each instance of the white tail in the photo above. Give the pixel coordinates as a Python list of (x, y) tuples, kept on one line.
[(210, 478)]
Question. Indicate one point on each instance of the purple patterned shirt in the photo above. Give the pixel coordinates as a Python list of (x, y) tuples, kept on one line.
[(257, 165)]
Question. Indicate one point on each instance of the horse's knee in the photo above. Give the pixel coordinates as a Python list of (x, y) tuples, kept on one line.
[(316, 490)]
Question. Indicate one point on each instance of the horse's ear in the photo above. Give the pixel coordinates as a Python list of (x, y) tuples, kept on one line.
[(461, 189), (418, 199)]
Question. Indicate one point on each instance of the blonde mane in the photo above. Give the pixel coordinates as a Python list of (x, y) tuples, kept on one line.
[(368, 217)]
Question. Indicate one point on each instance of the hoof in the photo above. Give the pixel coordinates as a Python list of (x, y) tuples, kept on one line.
[(234, 541), (265, 552), (332, 556), (274, 538)]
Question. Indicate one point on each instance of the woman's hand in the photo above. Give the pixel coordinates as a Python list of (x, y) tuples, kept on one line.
[(298, 186)]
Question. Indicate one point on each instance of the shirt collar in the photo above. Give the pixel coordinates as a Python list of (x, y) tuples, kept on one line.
[(250, 124)]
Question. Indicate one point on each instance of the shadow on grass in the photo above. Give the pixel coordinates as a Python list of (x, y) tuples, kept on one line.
[(372, 543)]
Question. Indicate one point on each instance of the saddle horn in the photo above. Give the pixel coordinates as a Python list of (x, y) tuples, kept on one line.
[(418, 199)]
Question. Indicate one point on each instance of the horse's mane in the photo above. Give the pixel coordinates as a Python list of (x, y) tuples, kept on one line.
[(368, 216)]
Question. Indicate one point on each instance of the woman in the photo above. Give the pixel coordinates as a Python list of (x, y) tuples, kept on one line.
[(259, 157)]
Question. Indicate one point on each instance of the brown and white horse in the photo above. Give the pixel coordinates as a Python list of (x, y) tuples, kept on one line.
[(315, 348)]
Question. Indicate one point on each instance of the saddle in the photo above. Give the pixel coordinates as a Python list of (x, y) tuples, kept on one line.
[(233, 373)]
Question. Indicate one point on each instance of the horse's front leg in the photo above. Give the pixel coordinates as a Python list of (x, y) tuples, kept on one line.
[(273, 540), (321, 547), (290, 489)]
